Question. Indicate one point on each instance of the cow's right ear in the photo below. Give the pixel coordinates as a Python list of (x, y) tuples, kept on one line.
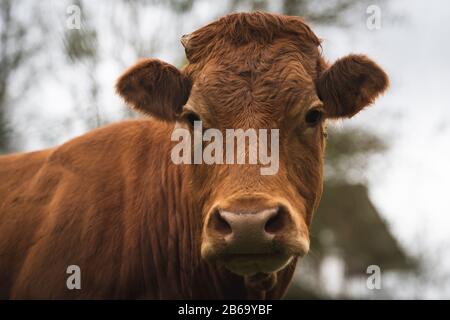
[(350, 84), (156, 88)]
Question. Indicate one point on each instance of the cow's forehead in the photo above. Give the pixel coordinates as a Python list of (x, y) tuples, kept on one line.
[(258, 57), (252, 66), (253, 89)]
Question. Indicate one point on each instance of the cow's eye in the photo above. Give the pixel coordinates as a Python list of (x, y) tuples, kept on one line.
[(191, 117), (313, 117)]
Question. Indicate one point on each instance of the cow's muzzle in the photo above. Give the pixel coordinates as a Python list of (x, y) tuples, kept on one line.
[(251, 241)]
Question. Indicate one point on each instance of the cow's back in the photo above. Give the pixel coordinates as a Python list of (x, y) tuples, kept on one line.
[(17, 169), (17, 173)]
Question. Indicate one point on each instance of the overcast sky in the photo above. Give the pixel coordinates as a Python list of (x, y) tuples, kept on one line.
[(410, 184)]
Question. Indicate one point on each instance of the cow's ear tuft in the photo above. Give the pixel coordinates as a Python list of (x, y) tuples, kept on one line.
[(156, 88), (350, 84)]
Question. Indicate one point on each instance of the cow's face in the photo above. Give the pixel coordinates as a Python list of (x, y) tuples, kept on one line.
[(256, 71)]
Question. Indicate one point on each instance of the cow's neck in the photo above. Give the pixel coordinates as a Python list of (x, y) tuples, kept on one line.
[(170, 242)]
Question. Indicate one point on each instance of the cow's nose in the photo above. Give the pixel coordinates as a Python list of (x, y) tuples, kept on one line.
[(250, 232)]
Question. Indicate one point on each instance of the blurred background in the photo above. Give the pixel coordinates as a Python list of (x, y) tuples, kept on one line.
[(385, 202)]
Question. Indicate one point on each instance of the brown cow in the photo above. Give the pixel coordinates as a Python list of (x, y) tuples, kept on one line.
[(139, 226)]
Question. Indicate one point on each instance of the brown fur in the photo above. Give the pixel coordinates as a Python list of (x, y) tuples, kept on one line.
[(113, 203), (352, 83), (150, 83)]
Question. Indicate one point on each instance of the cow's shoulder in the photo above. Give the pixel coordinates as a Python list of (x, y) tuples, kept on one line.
[(17, 169), (80, 193), (113, 147)]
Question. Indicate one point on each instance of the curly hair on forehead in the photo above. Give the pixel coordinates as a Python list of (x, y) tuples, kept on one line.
[(238, 29)]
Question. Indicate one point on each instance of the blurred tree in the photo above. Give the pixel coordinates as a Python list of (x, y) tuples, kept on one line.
[(323, 12), (349, 151), (179, 6), (81, 49), (347, 226), (21, 39), (121, 31)]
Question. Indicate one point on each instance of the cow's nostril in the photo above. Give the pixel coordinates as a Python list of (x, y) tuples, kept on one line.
[(277, 222), (219, 224)]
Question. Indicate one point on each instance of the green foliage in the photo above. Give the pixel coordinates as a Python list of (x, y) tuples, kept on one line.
[(180, 6), (347, 221), (4, 134), (350, 150), (17, 50), (318, 12), (81, 45)]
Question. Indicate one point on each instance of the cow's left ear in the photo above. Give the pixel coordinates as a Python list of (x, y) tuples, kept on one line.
[(156, 88), (349, 85)]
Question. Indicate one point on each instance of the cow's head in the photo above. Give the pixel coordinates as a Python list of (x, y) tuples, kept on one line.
[(260, 71)]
